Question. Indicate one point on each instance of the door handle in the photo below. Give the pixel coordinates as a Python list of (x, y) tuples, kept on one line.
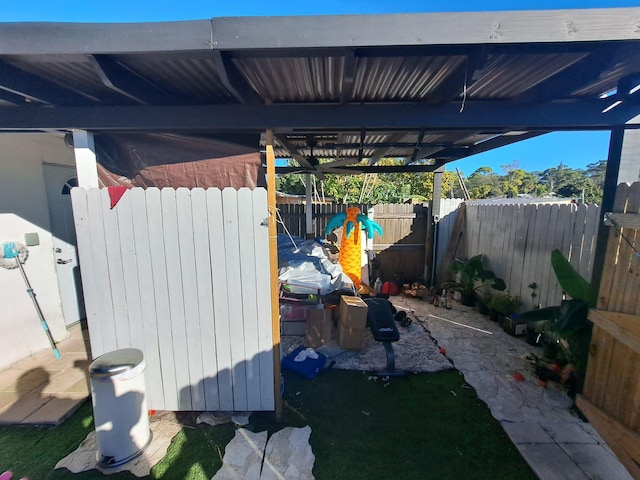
[(63, 262)]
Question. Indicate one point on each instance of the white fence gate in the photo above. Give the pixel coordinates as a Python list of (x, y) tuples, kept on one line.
[(183, 275)]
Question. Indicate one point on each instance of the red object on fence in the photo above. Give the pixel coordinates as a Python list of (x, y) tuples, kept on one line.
[(115, 194)]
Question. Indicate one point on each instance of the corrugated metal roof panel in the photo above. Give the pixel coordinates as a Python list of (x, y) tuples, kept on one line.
[(507, 76), (294, 79), (78, 75), (190, 77), (402, 78), (628, 64)]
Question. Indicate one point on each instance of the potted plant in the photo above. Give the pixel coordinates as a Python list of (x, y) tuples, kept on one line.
[(503, 305), (471, 275)]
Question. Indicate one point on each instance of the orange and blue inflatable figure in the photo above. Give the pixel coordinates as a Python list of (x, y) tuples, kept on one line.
[(350, 248)]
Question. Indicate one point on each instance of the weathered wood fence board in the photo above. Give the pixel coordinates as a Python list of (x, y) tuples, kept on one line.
[(401, 249), (611, 394), (448, 215), (518, 239), (163, 272)]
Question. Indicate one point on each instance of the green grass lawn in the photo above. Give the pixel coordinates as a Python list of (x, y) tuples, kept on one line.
[(422, 426)]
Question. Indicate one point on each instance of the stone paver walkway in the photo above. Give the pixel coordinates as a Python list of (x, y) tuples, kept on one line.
[(40, 390), (557, 444)]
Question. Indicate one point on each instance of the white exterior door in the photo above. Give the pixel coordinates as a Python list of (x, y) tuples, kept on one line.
[(59, 180)]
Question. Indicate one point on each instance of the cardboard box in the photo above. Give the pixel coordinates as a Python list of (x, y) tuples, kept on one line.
[(353, 312), (514, 327), (350, 338), (319, 328)]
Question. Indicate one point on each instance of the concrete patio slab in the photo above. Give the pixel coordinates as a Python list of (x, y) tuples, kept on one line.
[(551, 463), (40, 390)]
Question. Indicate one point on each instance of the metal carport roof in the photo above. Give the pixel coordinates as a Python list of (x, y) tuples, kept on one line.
[(428, 88)]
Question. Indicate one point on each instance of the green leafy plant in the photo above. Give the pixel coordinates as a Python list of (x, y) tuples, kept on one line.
[(471, 276), (567, 327), (504, 303)]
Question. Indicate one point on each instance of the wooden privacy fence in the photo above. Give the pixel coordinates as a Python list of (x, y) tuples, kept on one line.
[(400, 250), (518, 239), (183, 275), (611, 395), (448, 213)]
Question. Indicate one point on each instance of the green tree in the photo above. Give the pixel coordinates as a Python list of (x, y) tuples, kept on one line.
[(484, 183), (517, 182), (572, 183), (597, 171), (291, 183)]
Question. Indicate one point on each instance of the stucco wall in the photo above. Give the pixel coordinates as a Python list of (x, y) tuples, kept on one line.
[(23, 209)]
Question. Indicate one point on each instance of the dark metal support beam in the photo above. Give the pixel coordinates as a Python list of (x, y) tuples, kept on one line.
[(123, 81), (608, 198), (496, 142), (38, 89), (389, 144), (361, 148), (574, 77), (577, 115), (396, 137), (298, 157), (233, 80), (11, 97), (369, 169), (418, 146)]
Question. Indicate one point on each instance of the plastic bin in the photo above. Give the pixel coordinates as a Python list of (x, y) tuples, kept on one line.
[(119, 406)]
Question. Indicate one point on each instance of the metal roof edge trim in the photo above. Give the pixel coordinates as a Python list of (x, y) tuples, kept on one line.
[(328, 31), (526, 26), (39, 38)]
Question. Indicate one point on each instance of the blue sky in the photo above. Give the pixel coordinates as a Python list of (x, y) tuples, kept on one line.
[(573, 149)]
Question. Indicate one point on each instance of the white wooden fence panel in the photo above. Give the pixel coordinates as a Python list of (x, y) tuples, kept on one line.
[(98, 252), (161, 297), (518, 240), (129, 270), (163, 272), (90, 290), (249, 300), (115, 273), (176, 297), (235, 292), (148, 309), (220, 299), (206, 327), (190, 296)]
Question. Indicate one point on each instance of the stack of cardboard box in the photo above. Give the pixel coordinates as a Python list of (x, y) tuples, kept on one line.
[(319, 328), (352, 320)]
